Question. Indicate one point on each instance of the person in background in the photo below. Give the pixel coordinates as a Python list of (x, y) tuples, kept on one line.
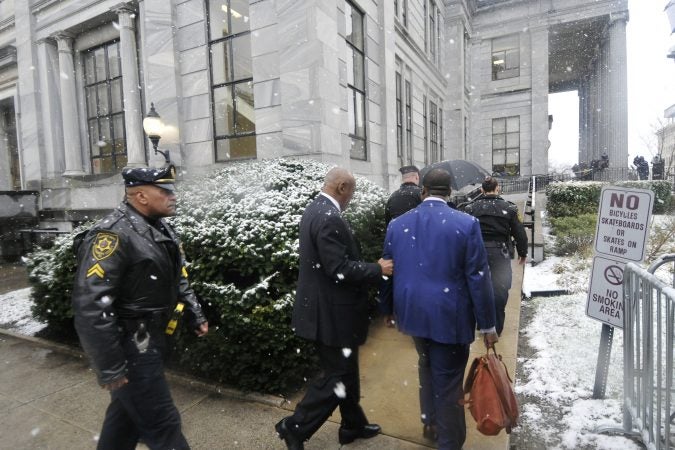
[(331, 309), (405, 197), (499, 223), (441, 292), (129, 291)]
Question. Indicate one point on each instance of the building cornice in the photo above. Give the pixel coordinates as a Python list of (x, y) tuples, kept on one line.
[(6, 23)]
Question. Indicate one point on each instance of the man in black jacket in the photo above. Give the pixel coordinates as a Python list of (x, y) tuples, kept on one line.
[(405, 198), (331, 308), (499, 222), (130, 288)]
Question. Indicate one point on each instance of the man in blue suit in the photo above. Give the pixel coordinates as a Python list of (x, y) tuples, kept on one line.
[(442, 289)]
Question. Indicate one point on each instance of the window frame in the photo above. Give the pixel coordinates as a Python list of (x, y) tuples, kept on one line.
[(230, 85), (117, 159), (399, 114), (426, 130), (408, 121), (433, 134), (497, 165), (355, 91), (507, 69)]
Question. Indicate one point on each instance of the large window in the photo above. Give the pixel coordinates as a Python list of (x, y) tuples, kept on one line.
[(399, 116), (433, 127), (105, 108), (440, 132), (408, 122), (426, 130), (432, 31), (356, 81), (231, 79), (506, 145), (505, 57), (404, 13)]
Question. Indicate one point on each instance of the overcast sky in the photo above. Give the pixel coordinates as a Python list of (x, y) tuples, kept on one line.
[(651, 87)]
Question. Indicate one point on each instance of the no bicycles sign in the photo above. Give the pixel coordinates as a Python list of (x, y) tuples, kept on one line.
[(621, 236)]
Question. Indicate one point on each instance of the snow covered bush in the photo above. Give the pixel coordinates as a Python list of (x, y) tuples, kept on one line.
[(239, 228)]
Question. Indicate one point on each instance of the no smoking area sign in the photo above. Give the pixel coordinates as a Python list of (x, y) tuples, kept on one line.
[(605, 295)]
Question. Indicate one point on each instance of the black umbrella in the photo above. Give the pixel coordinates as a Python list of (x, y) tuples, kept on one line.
[(463, 173)]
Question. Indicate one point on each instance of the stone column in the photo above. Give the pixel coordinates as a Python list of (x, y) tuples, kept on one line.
[(71, 131), (133, 115), (538, 157), (52, 129), (583, 116), (618, 91)]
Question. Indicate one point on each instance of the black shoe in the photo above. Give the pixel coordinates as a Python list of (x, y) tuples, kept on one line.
[(429, 432), (347, 435), (292, 441)]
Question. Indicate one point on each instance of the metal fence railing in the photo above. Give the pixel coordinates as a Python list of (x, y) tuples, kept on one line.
[(649, 326)]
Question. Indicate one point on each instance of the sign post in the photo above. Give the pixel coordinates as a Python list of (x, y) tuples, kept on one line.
[(621, 236)]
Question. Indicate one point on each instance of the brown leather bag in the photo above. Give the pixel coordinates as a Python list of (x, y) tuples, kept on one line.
[(491, 401)]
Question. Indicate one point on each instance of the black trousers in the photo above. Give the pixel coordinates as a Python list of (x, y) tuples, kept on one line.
[(338, 386), (142, 409), (500, 271), (441, 383)]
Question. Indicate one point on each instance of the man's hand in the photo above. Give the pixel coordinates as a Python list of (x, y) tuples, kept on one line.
[(202, 329), (118, 383), (389, 321), (387, 266), (489, 339), (522, 259)]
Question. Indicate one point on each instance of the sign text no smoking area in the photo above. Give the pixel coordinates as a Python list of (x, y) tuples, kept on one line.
[(623, 222), (605, 294)]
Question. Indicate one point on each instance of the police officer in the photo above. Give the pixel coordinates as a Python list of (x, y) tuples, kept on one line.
[(499, 222), (407, 197), (130, 287)]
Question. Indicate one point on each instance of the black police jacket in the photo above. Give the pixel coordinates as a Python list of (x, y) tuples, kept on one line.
[(499, 221), (127, 270), (407, 197)]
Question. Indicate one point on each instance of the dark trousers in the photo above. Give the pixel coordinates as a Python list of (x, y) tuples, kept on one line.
[(338, 386), (446, 365), (500, 271), (142, 409)]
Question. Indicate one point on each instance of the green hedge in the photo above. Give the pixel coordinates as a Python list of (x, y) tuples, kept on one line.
[(239, 228), (574, 198), (574, 234)]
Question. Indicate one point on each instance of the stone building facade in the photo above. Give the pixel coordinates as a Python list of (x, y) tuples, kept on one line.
[(367, 84)]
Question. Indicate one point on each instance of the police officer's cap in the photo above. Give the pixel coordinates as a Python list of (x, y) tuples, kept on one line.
[(408, 169), (164, 177)]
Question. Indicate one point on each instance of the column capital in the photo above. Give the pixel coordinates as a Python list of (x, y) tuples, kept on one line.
[(123, 8), (64, 40), (618, 16)]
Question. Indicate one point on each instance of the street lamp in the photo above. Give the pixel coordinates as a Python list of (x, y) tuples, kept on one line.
[(153, 127)]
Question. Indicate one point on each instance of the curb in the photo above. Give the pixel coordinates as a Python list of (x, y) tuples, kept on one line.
[(183, 380)]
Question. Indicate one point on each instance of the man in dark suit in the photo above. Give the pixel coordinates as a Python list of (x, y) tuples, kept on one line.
[(331, 309), (441, 290)]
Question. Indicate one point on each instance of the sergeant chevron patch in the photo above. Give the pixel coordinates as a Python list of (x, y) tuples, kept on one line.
[(97, 270)]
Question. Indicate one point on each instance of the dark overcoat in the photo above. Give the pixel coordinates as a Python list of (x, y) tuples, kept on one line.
[(331, 305)]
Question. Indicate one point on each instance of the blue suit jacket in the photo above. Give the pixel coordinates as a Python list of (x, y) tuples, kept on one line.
[(442, 285)]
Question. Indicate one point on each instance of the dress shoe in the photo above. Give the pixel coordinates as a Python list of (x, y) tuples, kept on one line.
[(292, 441), (347, 435), (429, 432)]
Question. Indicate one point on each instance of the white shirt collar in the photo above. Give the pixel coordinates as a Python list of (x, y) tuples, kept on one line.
[(335, 202), (434, 199)]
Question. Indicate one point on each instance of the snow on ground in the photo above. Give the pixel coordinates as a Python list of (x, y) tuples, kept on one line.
[(555, 382), (15, 313)]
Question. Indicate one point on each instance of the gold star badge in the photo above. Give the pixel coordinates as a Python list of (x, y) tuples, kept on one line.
[(104, 245)]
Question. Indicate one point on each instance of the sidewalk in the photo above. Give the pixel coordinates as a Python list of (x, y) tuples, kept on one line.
[(49, 398)]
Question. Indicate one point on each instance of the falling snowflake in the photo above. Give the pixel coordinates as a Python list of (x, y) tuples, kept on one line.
[(153, 277), (340, 276), (346, 352), (340, 390), (106, 300), (480, 272), (446, 290)]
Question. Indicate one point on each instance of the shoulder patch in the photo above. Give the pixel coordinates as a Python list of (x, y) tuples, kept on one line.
[(105, 245)]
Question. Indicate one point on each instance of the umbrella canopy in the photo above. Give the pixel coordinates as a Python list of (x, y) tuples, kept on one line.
[(463, 173)]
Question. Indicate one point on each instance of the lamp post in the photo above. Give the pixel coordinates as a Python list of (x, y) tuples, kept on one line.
[(153, 127)]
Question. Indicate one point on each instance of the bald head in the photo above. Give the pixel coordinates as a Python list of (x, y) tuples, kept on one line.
[(340, 185)]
